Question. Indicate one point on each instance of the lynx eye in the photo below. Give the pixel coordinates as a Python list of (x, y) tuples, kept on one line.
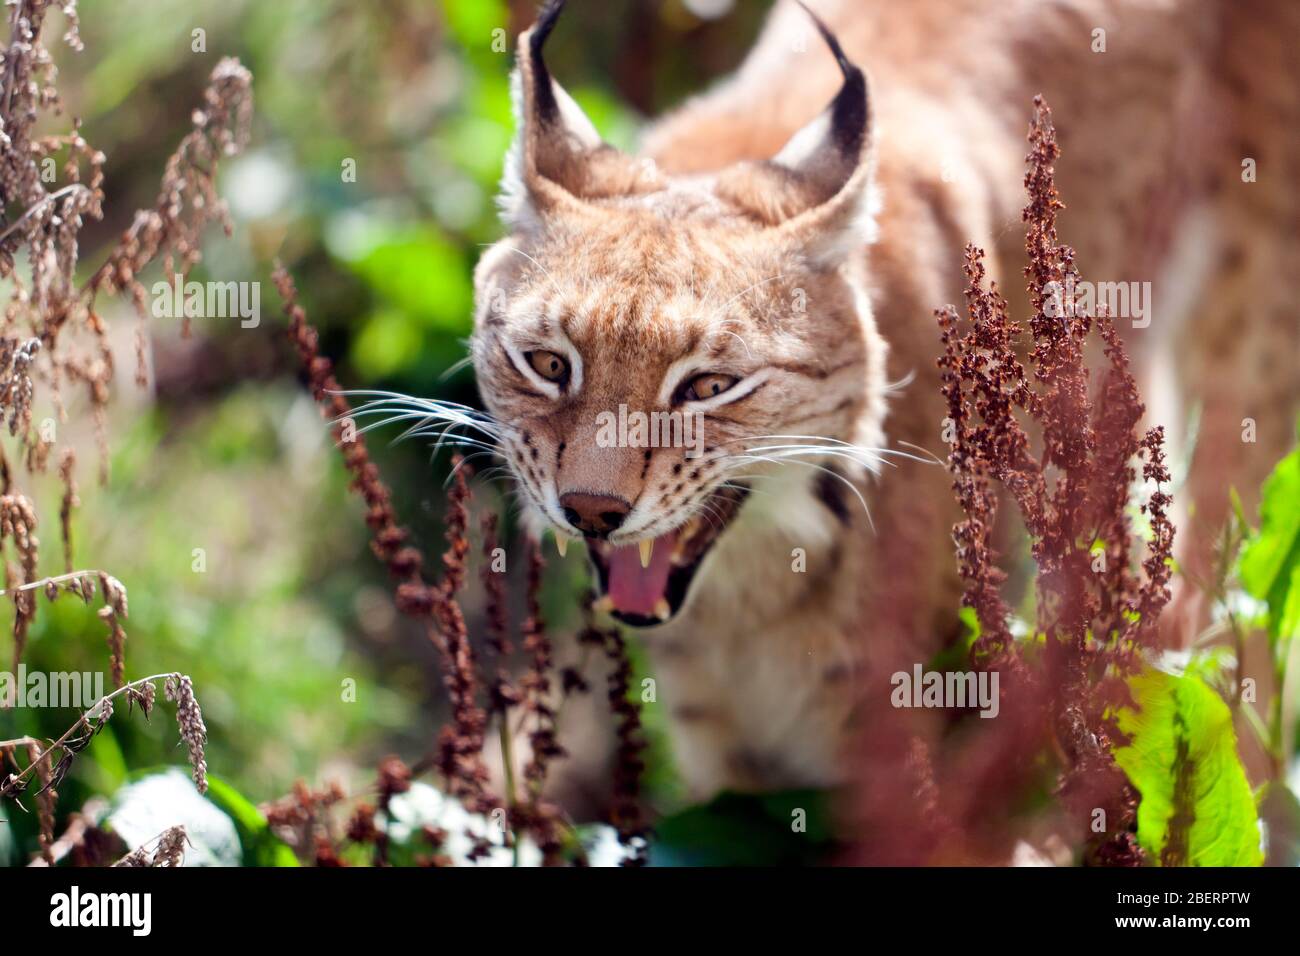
[(707, 385), (550, 366)]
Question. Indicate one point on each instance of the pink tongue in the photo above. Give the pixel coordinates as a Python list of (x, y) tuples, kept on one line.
[(634, 589)]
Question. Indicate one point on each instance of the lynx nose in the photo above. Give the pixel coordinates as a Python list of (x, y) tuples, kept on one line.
[(596, 516)]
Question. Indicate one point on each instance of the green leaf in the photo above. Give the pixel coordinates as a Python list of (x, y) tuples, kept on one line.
[(1197, 808), (1270, 563), (1217, 666), (261, 846)]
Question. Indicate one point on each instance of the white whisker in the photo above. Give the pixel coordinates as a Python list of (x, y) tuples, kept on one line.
[(813, 465), (925, 451), (455, 367), (741, 341), (902, 383), (461, 464), (861, 456), (534, 262), (745, 292), (835, 443)]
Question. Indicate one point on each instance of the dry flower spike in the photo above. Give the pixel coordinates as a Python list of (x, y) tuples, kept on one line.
[(1072, 493)]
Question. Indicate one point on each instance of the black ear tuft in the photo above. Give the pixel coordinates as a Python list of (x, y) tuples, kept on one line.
[(849, 110), (543, 96)]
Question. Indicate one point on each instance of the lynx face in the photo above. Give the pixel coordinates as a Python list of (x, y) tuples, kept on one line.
[(651, 348)]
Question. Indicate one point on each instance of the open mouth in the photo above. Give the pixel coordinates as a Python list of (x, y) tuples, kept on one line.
[(647, 583)]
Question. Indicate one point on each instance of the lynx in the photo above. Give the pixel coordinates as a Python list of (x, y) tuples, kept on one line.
[(768, 265)]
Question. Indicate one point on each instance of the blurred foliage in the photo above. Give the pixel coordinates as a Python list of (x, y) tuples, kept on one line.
[(226, 453), (1270, 563)]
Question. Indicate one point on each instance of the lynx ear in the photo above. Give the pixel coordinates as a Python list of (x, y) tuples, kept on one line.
[(817, 189), (558, 160)]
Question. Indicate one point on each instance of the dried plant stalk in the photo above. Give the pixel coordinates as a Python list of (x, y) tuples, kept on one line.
[(1058, 440), (629, 762), (169, 850), (460, 744), (38, 259), (1098, 597), (189, 720)]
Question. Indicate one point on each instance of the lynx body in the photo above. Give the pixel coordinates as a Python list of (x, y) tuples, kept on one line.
[(769, 266)]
